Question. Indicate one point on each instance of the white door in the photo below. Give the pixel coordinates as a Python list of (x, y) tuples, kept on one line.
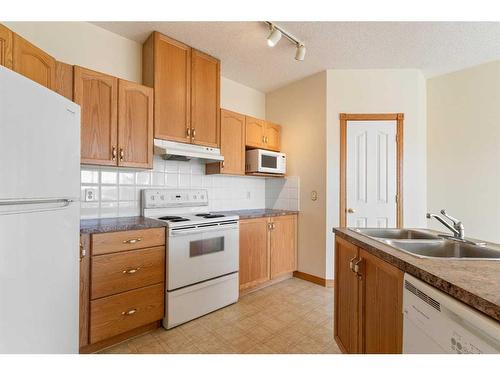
[(371, 174)]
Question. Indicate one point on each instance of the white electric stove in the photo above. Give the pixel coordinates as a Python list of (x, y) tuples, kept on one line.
[(202, 253)]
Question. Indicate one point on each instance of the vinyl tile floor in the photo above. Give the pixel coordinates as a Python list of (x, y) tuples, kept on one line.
[(291, 317)]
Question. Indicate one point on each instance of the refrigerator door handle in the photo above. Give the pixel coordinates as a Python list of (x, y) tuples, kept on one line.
[(33, 205)]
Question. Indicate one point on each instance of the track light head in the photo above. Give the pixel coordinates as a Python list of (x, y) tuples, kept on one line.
[(300, 53), (274, 37)]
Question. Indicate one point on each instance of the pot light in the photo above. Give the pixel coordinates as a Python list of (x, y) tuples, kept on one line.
[(275, 34), (300, 53), (274, 37)]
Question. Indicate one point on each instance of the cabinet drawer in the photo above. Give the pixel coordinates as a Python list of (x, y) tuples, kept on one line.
[(123, 312), (104, 243), (119, 272)]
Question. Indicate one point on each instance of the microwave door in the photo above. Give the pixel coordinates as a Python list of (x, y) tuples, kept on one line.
[(268, 163)]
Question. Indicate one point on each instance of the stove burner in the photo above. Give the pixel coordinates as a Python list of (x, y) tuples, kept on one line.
[(210, 216), (173, 219)]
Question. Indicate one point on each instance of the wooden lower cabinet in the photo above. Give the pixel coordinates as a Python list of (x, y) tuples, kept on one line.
[(368, 302), (268, 249), (283, 245), (122, 286), (111, 316), (346, 318), (254, 255), (381, 305)]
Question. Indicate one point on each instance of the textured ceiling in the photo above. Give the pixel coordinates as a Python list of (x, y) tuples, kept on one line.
[(434, 47)]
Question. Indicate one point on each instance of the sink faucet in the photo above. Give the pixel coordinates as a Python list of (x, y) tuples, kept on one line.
[(457, 228)]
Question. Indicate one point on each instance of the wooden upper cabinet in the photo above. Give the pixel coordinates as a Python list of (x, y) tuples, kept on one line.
[(232, 145), (167, 68), (255, 130), (32, 62), (283, 244), (5, 47), (97, 94), (64, 80), (272, 134), (205, 81), (135, 125), (381, 306), (254, 252), (346, 321)]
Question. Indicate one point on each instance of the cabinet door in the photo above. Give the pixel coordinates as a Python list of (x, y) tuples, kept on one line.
[(167, 68), (254, 256), (135, 125), (232, 144), (255, 130), (97, 95), (381, 308), (32, 62), (5, 47), (346, 318), (272, 136), (205, 78), (283, 245), (64, 80)]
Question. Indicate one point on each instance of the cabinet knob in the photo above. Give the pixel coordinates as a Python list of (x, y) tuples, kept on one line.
[(188, 132), (194, 133), (122, 154), (351, 210), (113, 153)]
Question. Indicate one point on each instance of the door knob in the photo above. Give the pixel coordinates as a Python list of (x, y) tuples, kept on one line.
[(351, 210)]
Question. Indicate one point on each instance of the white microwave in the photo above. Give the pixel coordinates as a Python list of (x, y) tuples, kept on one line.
[(264, 161)]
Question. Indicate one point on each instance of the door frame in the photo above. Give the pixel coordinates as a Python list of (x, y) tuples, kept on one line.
[(399, 118)]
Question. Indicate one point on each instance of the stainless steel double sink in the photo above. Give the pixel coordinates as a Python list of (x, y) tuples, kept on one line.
[(423, 244)]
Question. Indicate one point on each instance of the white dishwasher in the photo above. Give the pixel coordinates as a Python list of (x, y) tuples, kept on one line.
[(437, 323)]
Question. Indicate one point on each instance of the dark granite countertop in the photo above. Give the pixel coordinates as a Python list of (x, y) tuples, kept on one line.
[(252, 214), (117, 224), (473, 282)]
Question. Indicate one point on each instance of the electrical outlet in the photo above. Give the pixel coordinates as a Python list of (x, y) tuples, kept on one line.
[(90, 195)]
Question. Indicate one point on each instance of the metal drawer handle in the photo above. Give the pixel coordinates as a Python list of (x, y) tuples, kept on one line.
[(351, 263), (130, 312), (131, 271), (133, 240), (356, 267)]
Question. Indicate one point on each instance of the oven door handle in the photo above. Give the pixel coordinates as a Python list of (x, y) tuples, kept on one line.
[(209, 229)]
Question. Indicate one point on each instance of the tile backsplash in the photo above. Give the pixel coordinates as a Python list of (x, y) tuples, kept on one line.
[(118, 190)]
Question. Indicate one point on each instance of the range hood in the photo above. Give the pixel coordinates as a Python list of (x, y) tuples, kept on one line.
[(169, 150)]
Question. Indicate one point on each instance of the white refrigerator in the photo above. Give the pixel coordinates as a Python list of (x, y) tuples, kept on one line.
[(39, 218)]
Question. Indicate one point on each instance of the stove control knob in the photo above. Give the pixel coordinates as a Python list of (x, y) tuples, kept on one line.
[(152, 197), (162, 197)]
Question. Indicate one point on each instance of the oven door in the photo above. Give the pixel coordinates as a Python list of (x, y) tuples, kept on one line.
[(201, 253)]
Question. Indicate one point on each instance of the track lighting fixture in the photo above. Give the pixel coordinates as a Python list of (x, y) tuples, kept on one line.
[(275, 35), (300, 53)]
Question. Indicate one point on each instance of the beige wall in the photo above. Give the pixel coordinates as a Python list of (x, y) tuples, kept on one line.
[(464, 148), (301, 109), (82, 43), (379, 91), (243, 99)]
